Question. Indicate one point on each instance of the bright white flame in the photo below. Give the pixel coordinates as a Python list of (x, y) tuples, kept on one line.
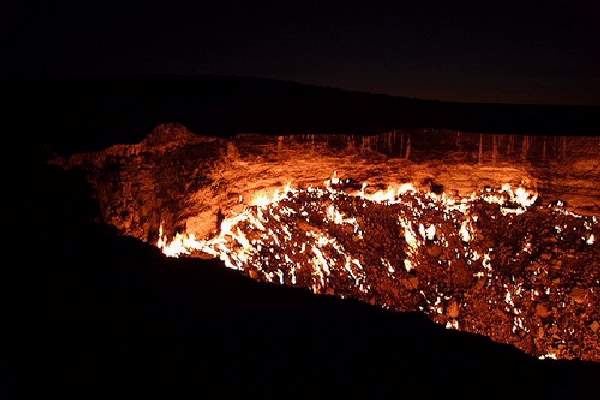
[(590, 240), (180, 244), (334, 179), (427, 233), (464, 233), (409, 234)]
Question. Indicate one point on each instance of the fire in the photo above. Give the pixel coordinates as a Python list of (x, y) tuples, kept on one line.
[(516, 201), (180, 244), (233, 245), (264, 198), (334, 239)]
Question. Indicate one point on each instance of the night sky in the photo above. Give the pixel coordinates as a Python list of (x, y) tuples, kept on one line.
[(521, 52)]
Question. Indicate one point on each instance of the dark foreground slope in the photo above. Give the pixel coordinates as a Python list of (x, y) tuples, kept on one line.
[(93, 114), (108, 315)]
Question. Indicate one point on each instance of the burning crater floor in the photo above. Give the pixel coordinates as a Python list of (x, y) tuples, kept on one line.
[(474, 240), (488, 264)]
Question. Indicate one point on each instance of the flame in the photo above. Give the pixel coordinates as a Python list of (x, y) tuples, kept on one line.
[(182, 243), (186, 243), (266, 198), (334, 179), (409, 234), (464, 232), (590, 240), (284, 227), (233, 246), (390, 196)]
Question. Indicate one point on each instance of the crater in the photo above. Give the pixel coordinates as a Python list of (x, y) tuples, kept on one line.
[(490, 234)]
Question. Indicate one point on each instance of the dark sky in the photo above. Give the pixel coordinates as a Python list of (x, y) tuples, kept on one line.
[(492, 51)]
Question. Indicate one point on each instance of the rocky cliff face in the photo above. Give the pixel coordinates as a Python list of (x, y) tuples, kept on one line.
[(139, 186), (185, 181)]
